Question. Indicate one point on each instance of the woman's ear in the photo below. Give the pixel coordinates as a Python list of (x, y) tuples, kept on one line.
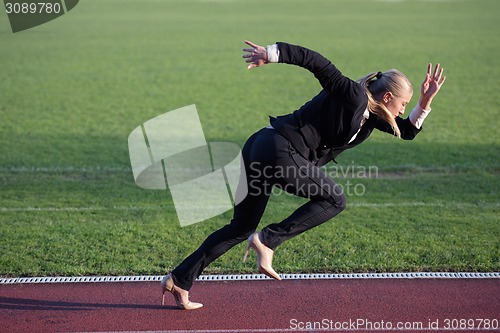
[(387, 97)]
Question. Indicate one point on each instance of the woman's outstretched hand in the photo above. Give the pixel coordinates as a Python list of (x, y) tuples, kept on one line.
[(256, 56), (431, 85)]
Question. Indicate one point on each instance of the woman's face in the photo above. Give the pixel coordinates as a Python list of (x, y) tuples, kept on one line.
[(396, 105)]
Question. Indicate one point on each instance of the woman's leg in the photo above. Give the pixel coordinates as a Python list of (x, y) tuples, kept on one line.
[(302, 178), (247, 215), (258, 153)]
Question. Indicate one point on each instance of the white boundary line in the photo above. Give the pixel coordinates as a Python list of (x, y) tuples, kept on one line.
[(127, 169), (355, 204), (254, 277), (278, 330)]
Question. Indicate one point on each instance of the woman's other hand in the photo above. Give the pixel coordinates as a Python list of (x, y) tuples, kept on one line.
[(431, 86), (256, 56)]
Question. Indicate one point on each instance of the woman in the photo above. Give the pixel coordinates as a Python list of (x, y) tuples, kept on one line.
[(290, 151)]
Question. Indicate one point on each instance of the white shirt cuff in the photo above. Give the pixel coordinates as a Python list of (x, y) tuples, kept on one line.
[(418, 115), (273, 53)]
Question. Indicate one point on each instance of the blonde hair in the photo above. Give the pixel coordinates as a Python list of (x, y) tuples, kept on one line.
[(392, 81)]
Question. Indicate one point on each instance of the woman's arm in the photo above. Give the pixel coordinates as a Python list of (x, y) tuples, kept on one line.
[(330, 78), (428, 90), (407, 129)]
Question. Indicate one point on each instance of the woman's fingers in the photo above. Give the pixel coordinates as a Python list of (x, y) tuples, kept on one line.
[(438, 75), (250, 43), (428, 74), (436, 69), (437, 72), (442, 80)]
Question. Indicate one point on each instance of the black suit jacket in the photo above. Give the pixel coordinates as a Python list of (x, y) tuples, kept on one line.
[(321, 129)]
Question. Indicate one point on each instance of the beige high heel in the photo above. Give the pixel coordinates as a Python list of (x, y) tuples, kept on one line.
[(264, 256), (167, 284)]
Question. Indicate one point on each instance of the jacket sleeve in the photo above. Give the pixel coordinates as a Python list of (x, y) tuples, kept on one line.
[(330, 78), (407, 129)]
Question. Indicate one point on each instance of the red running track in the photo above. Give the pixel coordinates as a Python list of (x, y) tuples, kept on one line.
[(336, 305)]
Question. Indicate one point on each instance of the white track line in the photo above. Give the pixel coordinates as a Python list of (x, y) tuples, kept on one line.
[(128, 169), (273, 330), (57, 169), (255, 277), (356, 204)]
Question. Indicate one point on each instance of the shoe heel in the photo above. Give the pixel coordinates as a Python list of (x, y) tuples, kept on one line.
[(246, 253), (165, 286)]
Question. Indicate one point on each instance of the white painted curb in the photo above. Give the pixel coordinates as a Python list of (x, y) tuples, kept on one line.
[(254, 277)]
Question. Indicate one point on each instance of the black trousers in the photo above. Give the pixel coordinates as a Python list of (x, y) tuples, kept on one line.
[(270, 161)]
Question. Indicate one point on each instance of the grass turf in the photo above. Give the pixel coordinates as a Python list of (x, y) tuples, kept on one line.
[(74, 88)]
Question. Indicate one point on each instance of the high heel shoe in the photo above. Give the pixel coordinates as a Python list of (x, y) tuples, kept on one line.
[(167, 284), (264, 256)]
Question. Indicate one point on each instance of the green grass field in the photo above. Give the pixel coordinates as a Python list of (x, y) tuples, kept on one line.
[(73, 89)]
